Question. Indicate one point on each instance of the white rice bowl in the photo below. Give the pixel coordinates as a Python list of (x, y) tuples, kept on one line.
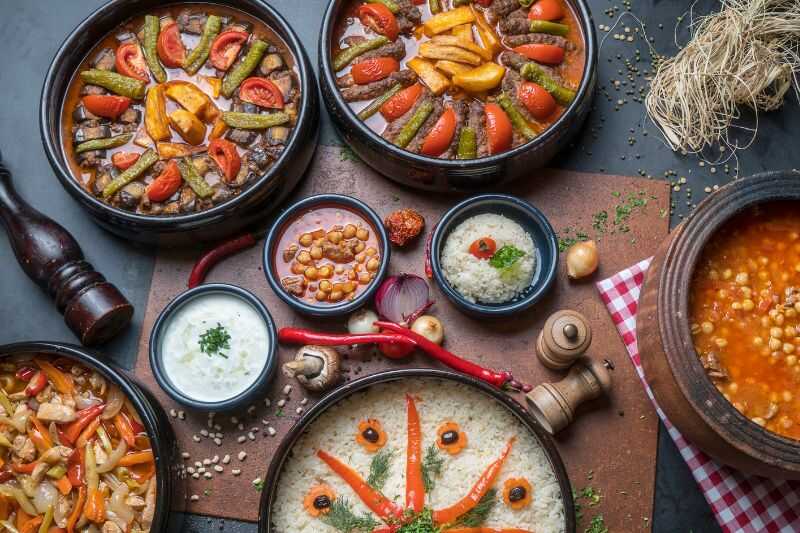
[(487, 424), (475, 279)]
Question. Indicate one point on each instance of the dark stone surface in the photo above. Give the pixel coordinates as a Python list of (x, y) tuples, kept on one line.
[(33, 30)]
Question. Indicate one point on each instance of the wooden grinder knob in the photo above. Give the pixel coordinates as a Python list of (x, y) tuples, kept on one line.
[(554, 404), (565, 337)]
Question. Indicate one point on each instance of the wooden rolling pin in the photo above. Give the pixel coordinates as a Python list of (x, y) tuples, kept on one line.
[(93, 308)]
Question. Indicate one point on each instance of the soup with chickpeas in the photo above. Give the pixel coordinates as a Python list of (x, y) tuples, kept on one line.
[(745, 315)]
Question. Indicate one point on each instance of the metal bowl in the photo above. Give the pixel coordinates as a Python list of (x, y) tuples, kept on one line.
[(284, 451), (435, 174), (171, 491), (264, 194)]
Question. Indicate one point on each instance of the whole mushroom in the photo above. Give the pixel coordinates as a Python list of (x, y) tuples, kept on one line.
[(317, 368)]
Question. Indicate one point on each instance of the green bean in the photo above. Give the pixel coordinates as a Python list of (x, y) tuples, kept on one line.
[(435, 5), (533, 72), (525, 3), (152, 26), (145, 161), (457, 3), (198, 56), (467, 144), (344, 57), (416, 121), (553, 28), (243, 68), (518, 121), (57, 472), (391, 4), (116, 83), (198, 184), (102, 144), (376, 104), (254, 121)]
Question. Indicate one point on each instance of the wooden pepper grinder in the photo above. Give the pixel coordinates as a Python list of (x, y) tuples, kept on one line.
[(554, 404), (564, 339), (93, 308)]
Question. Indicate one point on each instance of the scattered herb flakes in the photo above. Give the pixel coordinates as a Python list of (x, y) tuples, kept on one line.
[(600, 221), (279, 413), (597, 525), (347, 154), (214, 340), (258, 484), (379, 469), (591, 496), (342, 517), (432, 465)]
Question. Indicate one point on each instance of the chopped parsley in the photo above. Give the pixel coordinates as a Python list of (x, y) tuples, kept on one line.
[(214, 340), (505, 257), (597, 525), (422, 523), (258, 484)]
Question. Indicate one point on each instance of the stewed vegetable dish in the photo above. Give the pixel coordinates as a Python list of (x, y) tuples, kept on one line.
[(457, 79), (75, 455), (180, 110), (745, 315)]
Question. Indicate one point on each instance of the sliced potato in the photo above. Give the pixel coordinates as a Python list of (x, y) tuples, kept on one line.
[(188, 126), (451, 68), (452, 40), (218, 129), (192, 99), (447, 20), (435, 80), (432, 50), (463, 31), (483, 78), (489, 38), (167, 150), (155, 114)]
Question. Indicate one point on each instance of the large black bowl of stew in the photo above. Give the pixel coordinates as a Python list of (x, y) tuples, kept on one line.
[(457, 94), (88, 448), (180, 122)]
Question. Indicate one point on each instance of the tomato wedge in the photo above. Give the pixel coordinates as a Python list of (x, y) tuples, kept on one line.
[(166, 183), (262, 92), (483, 248), (549, 54), (226, 47), (106, 105), (224, 153), (440, 137), (374, 69), (123, 160), (379, 19), (130, 62), (546, 10), (498, 129), (170, 46), (399, 104), (536, 100)]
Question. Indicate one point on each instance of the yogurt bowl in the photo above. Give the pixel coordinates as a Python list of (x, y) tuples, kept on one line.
[(214, 347)]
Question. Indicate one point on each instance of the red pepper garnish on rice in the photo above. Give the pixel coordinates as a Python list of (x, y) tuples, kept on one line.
[(415, 486)]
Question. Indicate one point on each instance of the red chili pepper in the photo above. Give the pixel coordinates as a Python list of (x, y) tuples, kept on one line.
[(305, 336), (428, 267), (85, 417), (75, 469), (37, 384), (25, 373), (207, 261)]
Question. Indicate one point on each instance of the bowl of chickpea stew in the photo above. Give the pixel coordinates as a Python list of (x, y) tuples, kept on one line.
[(718, 327), (326, 255)]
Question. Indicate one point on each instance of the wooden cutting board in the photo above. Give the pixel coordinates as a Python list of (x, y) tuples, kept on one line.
[(610, 447)]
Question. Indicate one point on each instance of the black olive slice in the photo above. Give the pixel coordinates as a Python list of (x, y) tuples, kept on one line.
[(516, 494), (322, 502), (370, 435), (449, 437)]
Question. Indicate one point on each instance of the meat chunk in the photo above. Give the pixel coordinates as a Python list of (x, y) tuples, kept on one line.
[(476, 121), (88, 133), (501, 8), (408, 16), (344, 252), (713, 367), (52, 412), (295, 285), (81, 114), (191, 21), (91, 158), (23, 448), (396, 50), (514, 26), (260, 158), (372, 90), (240, 136), (512, 41), (105, 59), (460, 109)]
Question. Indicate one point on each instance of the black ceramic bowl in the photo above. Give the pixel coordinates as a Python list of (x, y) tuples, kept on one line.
[(259, 386), (524, 214), (284, 451), (273, 240), (436, 174), (265, 194), (171, 491)]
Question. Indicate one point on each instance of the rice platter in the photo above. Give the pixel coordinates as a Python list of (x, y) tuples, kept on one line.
[(413, 454), (489, 258)]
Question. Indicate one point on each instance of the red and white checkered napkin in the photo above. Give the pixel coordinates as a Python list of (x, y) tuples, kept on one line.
[(740, 503)]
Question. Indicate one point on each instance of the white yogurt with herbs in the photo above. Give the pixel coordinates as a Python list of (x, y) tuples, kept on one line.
[(215, 347)]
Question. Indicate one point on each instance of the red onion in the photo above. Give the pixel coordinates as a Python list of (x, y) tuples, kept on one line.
[(402, 298)]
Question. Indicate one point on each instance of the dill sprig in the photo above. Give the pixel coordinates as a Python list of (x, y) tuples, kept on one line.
[(214, 340), (432, 465), (476, 516), (379, 469), (342, 517)]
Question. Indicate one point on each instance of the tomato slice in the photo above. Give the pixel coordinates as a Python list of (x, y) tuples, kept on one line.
[(170, 46), (130, 62), (483, 248), (224, 153), (379, 19), (498, 129), (440, 137), (536, 100), (106, 105), (374, 69), (166, 184), (226, 47), (549, 54), (399, 104), (123, 160), (262, 92), (546, 10)]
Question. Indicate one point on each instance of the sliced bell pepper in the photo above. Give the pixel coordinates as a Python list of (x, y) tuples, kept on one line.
[(59, 379), (36, 385), (63, 485), (88, 433), (84, 418), (39, 434), (95, 508), (123, 425), (77, 510), (26, 468), (136, 458), (155, 114), (415, 486)]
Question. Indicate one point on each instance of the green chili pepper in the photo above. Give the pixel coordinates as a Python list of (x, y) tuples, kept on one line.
[(416, 121), (518, 121), (344, 57), (533, 72), (553, 28), (435, 5), (102, 144), (152, 26), (116, 83), (6, 402), (254, 121), (467, 144), (376, 104), (198, 56), (526, 3), (391, 4), (457, 3), (47, 521), (57, 472), (198, 184), (145, 161), (243, 68)]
